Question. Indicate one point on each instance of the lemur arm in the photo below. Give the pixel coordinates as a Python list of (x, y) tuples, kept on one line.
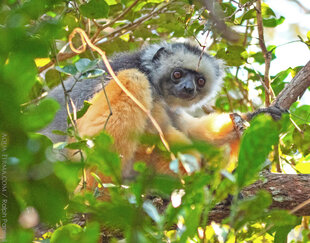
[(214, 128)]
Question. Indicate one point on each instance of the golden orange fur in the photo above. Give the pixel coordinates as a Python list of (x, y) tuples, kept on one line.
[(129, 121)]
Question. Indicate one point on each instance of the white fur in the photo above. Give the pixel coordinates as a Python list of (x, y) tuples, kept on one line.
[(182, 57)]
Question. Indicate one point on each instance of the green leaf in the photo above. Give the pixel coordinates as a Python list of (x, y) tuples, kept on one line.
[(68, 69), (278, 81), (111, 2), (101, 155), (84, 109), (233, 55), (60, 145), (38, 116), (228, 9), (267, 11), (92, 74), (273, 22), (251, 209), (84, 64), (95, 9), (255, 147), (73, 233), (300, 114), (283, 230), (119, 213), (249, 15), (66, 233), (68, 173), (20, 235), (48, 195), (281, 218), (164, 184), (281, 233), (58, 132), (303, 141), (140, 167), (279, 78), (52, 78), (77, 145)]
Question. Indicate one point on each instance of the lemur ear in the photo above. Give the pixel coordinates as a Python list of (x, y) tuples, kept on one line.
[(161, 51)]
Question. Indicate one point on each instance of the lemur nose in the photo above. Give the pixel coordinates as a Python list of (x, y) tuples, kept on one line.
[(189, 90)]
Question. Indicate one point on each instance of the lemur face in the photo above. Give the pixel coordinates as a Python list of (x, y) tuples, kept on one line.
[(181, 74), (185, 83), (183, 87)]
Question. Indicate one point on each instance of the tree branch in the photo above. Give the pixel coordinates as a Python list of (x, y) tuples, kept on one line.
[(287, 191), (295, 89)]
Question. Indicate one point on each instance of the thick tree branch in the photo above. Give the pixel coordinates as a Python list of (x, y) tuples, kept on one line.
[(294, 89), (216, 16), (287, 191)]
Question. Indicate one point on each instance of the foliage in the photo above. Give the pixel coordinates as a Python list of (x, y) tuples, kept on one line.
[(34, 31)]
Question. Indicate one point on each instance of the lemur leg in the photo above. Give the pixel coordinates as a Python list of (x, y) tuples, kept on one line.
[(127, 121)]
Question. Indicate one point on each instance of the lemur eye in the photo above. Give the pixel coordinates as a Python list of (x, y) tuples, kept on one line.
[(177, 74), (201, 82)]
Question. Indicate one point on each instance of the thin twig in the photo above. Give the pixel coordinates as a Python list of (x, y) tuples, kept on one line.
[(240, 7), (269, 92), (105, 94), (114, 20), (129, 26), (296, 126), (266, 53), (74, 119)]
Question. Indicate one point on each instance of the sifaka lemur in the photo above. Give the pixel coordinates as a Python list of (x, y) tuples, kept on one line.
[(168, 79)]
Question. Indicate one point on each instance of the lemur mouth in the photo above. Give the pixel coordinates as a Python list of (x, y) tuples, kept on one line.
[(186, 96)]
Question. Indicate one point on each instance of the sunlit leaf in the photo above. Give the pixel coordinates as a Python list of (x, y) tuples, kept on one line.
[(273, 22)]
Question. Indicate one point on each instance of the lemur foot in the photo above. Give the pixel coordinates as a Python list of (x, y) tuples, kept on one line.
[(274, 111)]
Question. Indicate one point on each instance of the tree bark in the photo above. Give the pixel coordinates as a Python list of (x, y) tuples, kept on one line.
[(295, 89), (287, 191)]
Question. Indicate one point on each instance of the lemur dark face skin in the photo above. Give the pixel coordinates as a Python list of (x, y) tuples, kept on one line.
[(182, 84), (185, 83)]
